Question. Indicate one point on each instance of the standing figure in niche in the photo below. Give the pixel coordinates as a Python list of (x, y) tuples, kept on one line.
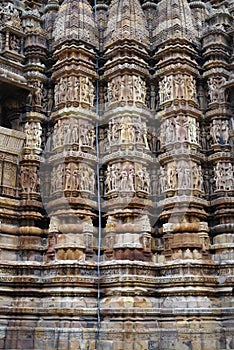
[(225, 131), (162, 180), (179, 86), (181, 128), (67, 178), (124, 180), (215, 131), (190, 88), (131, 174), (229, 179)]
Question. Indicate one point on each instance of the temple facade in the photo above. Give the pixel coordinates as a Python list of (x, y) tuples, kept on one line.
[(116, 174)]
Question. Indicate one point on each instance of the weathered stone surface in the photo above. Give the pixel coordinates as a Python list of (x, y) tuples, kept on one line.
[(116, 175)]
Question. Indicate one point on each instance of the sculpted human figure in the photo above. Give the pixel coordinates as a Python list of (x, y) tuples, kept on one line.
[(221, 92), (195, 177), (75, 178), (140, 179), (187, 172), (108, 179), (68, 176), (215, 131), (162, 135), (84, 89), (165, 89), (162, 91), (131, 174), (91, 180), (38, 94), (225, 131), (124, 180), (138, 133), (33, 179), (24, 178), (60, 133), (192, 128), (229, 178), (123, 131), (58, 177), (181, 128), (212, 90), (85, 178), (146, 184), (153, 140), (170, 130), (70, 89), (62, 90), (91, 137), (219, 177), (74, 133), (162, 180), (14, 43), (56, 94), (190, 88), (145, 138), (181, 176), (76, 92), (115, 132), (50, 100), (131, 133), (91, 93), (130, 87), (171, 176), (113, 174), (179, 86), (29, 136), (37, 132)]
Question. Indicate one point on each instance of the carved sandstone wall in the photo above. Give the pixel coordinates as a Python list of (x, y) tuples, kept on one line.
[(116, 175)]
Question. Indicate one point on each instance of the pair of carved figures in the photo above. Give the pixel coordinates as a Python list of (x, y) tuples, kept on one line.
[(35, 98), (73, 131), (14, 43), (127, 177), (73, 177), (220, 131), (127, 88), (224, 177), (180, 128), (181, 176), (33, 131), (29, 180), (73, 88), (179, 86), (216, 89), (127, 130), (9, 15)]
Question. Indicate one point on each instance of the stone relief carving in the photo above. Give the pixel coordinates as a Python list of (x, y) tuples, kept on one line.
[(181, 175), (219, 131), (126, 177), (216, 90), (127, 88), (14, 43), (74, 89), (224, 177), (73, 131), (180, 129), (33, 131), (36, 98), (73, 177), (29, 180), (9, 15), (178, 86), (130, 130)]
